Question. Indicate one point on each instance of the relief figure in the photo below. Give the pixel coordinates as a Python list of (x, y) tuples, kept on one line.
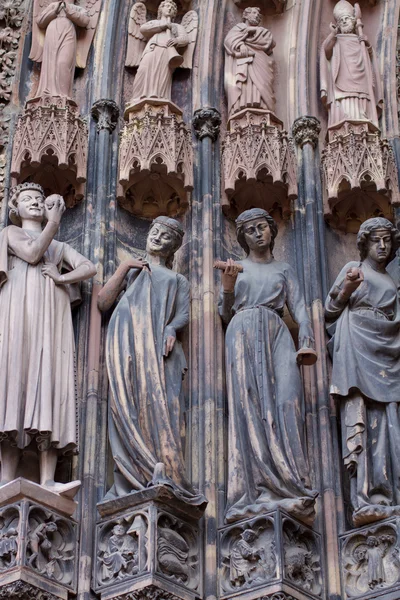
[(158, 47), (267, 462), (363, 320), (350, 79), (37, 348), (146, 364), (56, 44), (249, 65)]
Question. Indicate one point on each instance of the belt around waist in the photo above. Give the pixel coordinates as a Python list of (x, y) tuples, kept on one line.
[(277, 311), (376, 311)]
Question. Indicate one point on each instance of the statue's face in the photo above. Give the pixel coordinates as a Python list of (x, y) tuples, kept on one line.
[(168, 9), (257, 234), (31, 205), (160, 241), (346, 24), (119, 530), (379, 245), (253, 17)]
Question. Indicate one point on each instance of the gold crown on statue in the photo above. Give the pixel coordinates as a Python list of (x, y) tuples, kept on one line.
[(343, 8)]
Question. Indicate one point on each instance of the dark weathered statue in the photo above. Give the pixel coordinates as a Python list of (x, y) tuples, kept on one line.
[(146, 365), (363, 316), (37, 389), (267, 462)]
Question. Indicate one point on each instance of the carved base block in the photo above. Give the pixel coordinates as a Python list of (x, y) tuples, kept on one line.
[(270, 556), (38, 543), (276, 6), (360, 176), (155, 160), (147, 546), (370, 561), (50, 147), (259, 165)]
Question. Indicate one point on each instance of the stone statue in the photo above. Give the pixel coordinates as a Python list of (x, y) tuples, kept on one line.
[(249, 65), (267, 462), (37, 391), (146, 365), (169, 45), (121, 557), (363, 318), (58, 46), (350, 79)]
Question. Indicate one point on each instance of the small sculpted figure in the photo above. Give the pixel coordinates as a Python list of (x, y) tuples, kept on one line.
[(245, 559), (249, 65), (56, 44), (37, 390), (267, 462), (121, 557), (158, 47), (350, 79), (363, 318), (146, 365)]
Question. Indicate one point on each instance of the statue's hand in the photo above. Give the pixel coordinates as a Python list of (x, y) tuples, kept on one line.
[(54, 208), (172, 42), (137, 263), (354, 278), (306, 335), (333, 28), (363, 38), (169, 340), (50, 270), (230, 275)]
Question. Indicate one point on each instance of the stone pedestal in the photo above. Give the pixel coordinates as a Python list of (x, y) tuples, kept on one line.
[(272, 556), (360, 176), (155, 160), (38, 543), (50, 147), (370, 561), (148, 546), (259, 165)]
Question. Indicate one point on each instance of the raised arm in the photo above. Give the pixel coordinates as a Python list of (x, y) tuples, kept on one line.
[(330, 42), (116, 284), (77, 15), (48, 14), (227, 293), (346, 283)]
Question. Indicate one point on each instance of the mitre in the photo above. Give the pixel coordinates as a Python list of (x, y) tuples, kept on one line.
[(343, 8)]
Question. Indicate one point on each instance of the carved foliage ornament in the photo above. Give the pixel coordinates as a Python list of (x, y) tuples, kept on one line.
[(306, 131), (105, 113), (206, 123), (20, 590), (148, 593)]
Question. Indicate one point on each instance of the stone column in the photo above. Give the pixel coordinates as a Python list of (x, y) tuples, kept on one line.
[(309, 216)]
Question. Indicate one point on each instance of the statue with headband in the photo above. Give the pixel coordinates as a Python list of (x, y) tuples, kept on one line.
[(267, 457), (363, 320), (146, 365), (350, 79), (38, 405)]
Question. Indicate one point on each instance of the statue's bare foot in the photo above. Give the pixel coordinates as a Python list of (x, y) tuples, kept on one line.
[(69, 490), (374, 512)]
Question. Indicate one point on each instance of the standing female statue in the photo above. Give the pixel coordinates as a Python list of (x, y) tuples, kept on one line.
[(267, 463), (37, 388), (146, 364), (363, 316)]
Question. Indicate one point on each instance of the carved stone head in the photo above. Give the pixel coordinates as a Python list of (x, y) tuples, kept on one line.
[(167, 8), (32, 191), (377, 224), (251, 215), (345, 17), (165, 238), (252, 16)]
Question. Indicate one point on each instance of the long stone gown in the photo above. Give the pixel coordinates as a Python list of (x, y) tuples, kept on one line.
[(37, 384), (249, 82), (59, 51), (154, 75), (267, 464), (147, 404), (365, 348)]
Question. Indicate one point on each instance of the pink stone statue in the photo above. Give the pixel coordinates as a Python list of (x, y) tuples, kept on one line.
[(350, 79), (249, 65), (58, 46), (169, 45), (37, 388)]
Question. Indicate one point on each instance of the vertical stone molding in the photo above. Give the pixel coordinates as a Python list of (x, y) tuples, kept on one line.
[(147, 545), (155, 160), (38, 543), (370, 558), (270, 556), (50, 147), (258, 164), (105, 113)]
